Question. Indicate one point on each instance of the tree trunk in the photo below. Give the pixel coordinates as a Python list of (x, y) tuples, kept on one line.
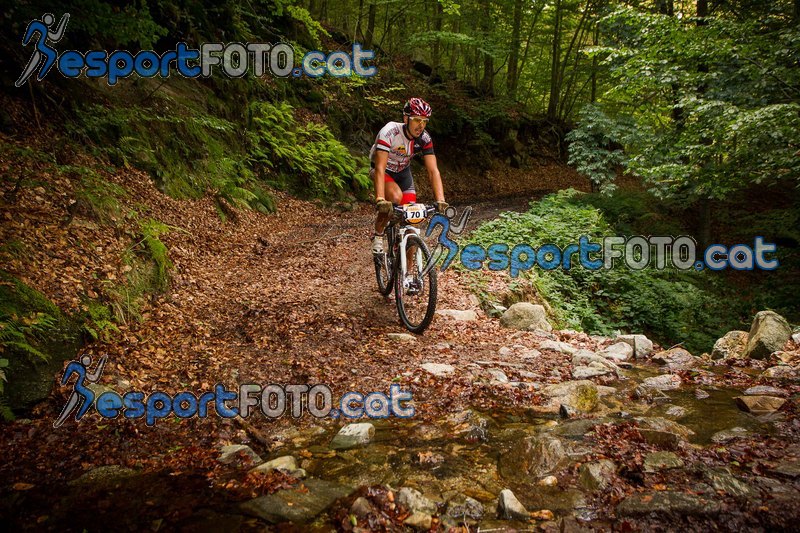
[(487, 84), (595, 41), (437, 52), (512, 78), (555, 69), (369, 38), (358, 36)]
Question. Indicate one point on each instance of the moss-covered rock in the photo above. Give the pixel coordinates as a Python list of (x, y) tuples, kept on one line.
[(36, 338)]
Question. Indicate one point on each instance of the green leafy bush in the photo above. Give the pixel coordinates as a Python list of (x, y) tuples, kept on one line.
[(310, 153), (673, 306)]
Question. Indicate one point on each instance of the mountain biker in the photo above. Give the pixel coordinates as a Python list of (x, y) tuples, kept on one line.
[(396, 144)]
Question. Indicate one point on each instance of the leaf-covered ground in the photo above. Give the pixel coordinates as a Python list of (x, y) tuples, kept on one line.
[(283, 298)]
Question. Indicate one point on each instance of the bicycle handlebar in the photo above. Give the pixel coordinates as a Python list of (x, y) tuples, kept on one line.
[(397, 212)]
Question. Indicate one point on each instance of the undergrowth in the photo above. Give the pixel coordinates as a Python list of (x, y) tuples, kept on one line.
[(673, 306)]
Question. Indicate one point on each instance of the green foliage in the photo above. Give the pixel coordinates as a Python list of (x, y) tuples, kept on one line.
[(99, 321), (147, 273), (596, 146), (182, 152), (314, 28), (30, 325), (100, 195), (671, 305), (309, 153), (699, 111), (109, 24), (151, 231), (20, 333)]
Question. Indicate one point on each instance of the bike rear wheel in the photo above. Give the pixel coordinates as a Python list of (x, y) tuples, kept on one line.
[(415, 294), (384, 265)]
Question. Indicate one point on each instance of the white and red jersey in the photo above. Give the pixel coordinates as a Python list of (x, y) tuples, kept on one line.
[(401, 149)]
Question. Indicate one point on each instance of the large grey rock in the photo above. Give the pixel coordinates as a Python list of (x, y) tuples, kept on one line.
[(759, 405), (419, 521), (780, 372), (662, 432), (580, 394), (557, 346), (765, 390), (620, 351), (510, 508), (298, 504), (525, 315), (592, 371), (437, 369), (768, 334), (675, 359), (642, 346), (104, 477), (361, 507), (456, 314), (402, 337), (287, 463), (591, 359), (465, 508), (553, 498), (662, 382), (732, 344), (498, 375), (531, 457), (353, 435), (727, 435), (414, 501), (597, 475), (667, 502), (230, 453), (722, 479), (656, 461)]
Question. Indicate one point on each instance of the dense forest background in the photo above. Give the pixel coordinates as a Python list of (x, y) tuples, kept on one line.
[(681, 118)]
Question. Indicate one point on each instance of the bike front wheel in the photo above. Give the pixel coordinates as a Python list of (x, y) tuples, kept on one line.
[(384, 267), (415, 294)]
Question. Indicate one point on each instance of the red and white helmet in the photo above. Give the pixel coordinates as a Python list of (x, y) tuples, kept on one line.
[(417, 107)]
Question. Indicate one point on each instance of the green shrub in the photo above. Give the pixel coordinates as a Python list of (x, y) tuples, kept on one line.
[(673, 306), (308, 156)]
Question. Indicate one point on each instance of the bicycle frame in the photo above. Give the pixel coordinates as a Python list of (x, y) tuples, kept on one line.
[(405, 231), (393, 268)]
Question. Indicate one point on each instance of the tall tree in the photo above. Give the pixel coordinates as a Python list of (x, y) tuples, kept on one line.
[(555, 64), (512, 77)]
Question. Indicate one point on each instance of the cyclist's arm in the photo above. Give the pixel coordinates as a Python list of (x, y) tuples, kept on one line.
[(434, 177), (381, 158)]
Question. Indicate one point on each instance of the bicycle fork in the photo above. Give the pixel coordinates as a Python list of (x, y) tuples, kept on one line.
[(406, 232)]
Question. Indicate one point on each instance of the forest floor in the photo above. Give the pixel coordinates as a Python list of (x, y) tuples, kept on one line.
[(290, 298)]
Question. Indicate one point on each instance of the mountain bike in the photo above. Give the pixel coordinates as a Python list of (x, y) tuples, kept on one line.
[(402, 267)]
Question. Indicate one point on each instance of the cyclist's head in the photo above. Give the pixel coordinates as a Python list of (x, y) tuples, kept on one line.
[(416, 113)]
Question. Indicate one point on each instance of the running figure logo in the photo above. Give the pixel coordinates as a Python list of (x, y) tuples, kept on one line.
[(446, 245), (81, 392), (43, 51)]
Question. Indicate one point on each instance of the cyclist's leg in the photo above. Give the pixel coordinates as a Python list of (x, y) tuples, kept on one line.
[(394, 194), (405, 181)]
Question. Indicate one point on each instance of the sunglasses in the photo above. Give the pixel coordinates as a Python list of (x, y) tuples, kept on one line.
[(419, 120)]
